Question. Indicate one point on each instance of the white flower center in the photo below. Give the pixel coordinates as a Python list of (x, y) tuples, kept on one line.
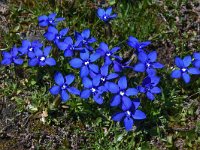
[(108, 54), (86, 63), (42, 58), (148, 64), (103, 79), (121, 93), (105, 17), (64, 87), (30, 49), (128, 112), (183, 69), (93, 90)]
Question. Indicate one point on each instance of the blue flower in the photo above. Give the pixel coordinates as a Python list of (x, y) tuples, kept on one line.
[(196, 61), (53, 35), (68, 47), (11, 57), (147, 63), (119, 66), (41, 58), (104, 76), (129, 115), (122, 93), (139, 46), (84, 40), (28, 47), (106, 15), (183, 70), (85, 63), (149, 87), (63, 85), (50, 20), (92, 87), (108, 54)]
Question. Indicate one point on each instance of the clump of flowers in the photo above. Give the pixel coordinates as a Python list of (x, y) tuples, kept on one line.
[(101, 69)]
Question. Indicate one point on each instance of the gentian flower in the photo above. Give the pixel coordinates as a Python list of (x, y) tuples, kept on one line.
[(11, 57), (50, 20), (69, 47), (129, 115), (139, 46), (63, 85), (41, 58), (122, 93), (183, 70), (84, 39), (107, 54), (53, 35), (149, 87), (104, 76), (196, 61), (147, 63), (92, 87), (85, 63), (119, 66), (28, 47), (106, 15)]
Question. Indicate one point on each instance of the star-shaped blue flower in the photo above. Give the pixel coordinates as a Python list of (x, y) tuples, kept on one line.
[(106, 15), (122, 93), (69, 47), (139, 46), (41, 58), (149, 87), (63, 85), (147, 62), (50, 20), (107, 54), (129, 115), (56, 36), (85, 63), (84, 39), (92, 87), (183, 70), (28, 47), (12, 57), (104, 75)]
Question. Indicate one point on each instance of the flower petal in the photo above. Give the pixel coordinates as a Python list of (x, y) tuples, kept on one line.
[(179, 62), (64, 96), (140, 67), (69, 79), (139, 115), (85, 94), (187, 61), (87, 83), (59, 79), (126, 103), (128, 123), (186, 77), (84, 71), (33, 62), (116, 100), (122, 83), (155, 90), (131, 92), (194, 71), (76, 63), (118, 116), (152, 56), (55, 90), (73, 90), (94, 68), (142, 56), (176, 74), (100, 12), (150, 96), (112, 87), (50, 61)]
